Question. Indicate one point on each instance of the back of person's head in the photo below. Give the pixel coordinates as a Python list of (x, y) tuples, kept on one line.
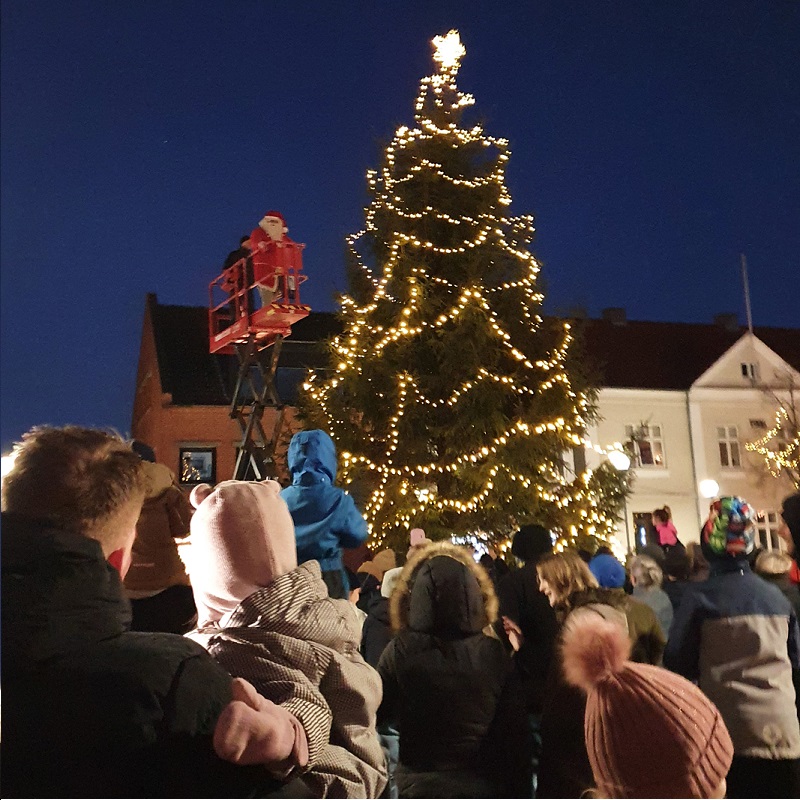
[(566, 573), (773, 563), (662, 515), (698, 563), (531, 542), (790, 512), (649, 732), (82, 480), (646, 572), (729, 532), (676, 564), (609, 572), (442, 590), (242, 540)]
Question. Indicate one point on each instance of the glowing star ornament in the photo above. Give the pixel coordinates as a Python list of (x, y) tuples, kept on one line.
[(448, 50)]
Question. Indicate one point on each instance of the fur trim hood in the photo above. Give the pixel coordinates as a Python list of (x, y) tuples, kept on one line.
[(442, 590)]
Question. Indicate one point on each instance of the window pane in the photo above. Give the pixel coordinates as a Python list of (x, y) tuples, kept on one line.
[(732, 433), (734, 454), (645, 452), (723, 454), (720, 433), (658, 453), (655, 432)]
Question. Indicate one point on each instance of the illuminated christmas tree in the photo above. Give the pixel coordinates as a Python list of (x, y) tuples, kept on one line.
[(451, 401)]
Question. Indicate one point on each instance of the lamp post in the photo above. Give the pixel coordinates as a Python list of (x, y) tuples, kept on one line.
[(621, 462)]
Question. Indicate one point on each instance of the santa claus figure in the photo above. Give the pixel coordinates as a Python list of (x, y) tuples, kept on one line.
[(276, 258)]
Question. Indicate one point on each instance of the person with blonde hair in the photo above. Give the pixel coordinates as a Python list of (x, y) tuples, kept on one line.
[(647, 577), (774, 567)]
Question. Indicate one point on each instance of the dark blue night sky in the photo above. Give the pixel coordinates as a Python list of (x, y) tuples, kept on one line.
[(653, 141)]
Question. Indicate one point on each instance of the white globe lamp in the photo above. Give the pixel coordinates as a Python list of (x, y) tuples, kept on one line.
[(619, 460), (709, 488)]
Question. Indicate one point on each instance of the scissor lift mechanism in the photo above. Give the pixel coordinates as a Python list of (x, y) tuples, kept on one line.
[(256, 336)]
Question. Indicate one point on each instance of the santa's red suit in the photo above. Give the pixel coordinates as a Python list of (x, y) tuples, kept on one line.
[(274, 258)]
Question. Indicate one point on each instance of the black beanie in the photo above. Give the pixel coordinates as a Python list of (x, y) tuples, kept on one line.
[(531, 542)]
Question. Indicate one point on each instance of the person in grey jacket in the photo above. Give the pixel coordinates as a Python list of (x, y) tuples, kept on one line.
[(647, 577), (739, 638)]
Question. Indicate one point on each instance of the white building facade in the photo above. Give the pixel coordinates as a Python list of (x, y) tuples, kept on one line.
[(684, 437)]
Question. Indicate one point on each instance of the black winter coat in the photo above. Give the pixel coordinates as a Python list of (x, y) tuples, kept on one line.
[(521, 601), (450, 689), (89, 709), (376, 632)]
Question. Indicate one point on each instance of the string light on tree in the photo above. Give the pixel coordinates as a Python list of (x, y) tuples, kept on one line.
[(451, 401)]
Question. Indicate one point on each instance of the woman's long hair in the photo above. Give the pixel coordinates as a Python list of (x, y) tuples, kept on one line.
[(567, 573)]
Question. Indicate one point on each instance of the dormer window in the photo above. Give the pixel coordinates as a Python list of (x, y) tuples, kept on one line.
[(749, 370)]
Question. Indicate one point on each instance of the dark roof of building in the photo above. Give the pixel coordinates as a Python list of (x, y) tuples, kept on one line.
[(193, 376), (669, 355), (626, 354)]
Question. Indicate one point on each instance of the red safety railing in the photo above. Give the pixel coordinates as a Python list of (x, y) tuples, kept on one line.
[(259, 296)]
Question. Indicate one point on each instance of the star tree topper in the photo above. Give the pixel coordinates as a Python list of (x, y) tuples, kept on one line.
[(448, 50)]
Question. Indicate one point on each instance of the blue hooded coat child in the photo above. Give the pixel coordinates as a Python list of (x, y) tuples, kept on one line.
[(325, 517)]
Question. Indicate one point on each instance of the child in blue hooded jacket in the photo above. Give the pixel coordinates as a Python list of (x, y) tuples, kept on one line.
[(325, 517)]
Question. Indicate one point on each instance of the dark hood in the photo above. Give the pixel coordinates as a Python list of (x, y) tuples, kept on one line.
[(442, 591), (311, 457), (58, 594)]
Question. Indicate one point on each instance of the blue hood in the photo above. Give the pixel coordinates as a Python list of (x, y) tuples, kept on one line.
[(311, 456)]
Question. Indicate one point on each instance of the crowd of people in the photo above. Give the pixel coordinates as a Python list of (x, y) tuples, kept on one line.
[(270, 669)]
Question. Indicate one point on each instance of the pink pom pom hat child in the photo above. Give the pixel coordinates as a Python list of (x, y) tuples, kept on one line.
[(271, 622), (649, 732)]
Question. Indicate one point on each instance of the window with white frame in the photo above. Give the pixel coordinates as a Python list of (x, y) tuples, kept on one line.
[(728, 442), (648, 444), (768, 524)]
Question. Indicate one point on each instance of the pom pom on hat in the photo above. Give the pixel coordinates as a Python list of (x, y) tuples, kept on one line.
[(594, 649), (687, 751)]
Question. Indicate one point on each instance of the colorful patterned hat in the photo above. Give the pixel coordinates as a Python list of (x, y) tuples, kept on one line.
[(729, 530)]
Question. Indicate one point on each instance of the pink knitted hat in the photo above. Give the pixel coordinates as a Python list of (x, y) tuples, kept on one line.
[(242, 539), (649, 732)]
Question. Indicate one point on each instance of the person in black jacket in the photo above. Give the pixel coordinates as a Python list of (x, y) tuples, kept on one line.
[(523, 604), (449, 684), (89, 708)]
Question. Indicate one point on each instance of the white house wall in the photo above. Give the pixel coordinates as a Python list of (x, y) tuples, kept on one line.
[(673, 485)]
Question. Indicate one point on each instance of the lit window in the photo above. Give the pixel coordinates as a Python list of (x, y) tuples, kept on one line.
[(197, 465), (728, 442), (768, 524), (647, 443)]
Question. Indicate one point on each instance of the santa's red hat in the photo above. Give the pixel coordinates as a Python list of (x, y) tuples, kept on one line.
[(276, 214)]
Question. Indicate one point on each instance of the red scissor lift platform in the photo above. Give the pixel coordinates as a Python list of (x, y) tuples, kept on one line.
[(255, 335)]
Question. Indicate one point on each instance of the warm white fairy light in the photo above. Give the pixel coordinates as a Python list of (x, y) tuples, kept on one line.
[(396, 314)]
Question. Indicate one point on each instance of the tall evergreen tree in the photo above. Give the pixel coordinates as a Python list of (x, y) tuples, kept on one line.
[(451, 401)]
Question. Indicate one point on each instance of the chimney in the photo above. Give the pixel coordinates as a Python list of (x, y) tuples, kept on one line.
[(616, 316), (727, 321)]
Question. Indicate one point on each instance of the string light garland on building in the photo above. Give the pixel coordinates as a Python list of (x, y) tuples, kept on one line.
[(780, 446), (451, 408)]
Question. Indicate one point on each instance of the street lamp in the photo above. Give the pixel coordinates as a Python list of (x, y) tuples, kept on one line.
[(621, 462), (709, 488)]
